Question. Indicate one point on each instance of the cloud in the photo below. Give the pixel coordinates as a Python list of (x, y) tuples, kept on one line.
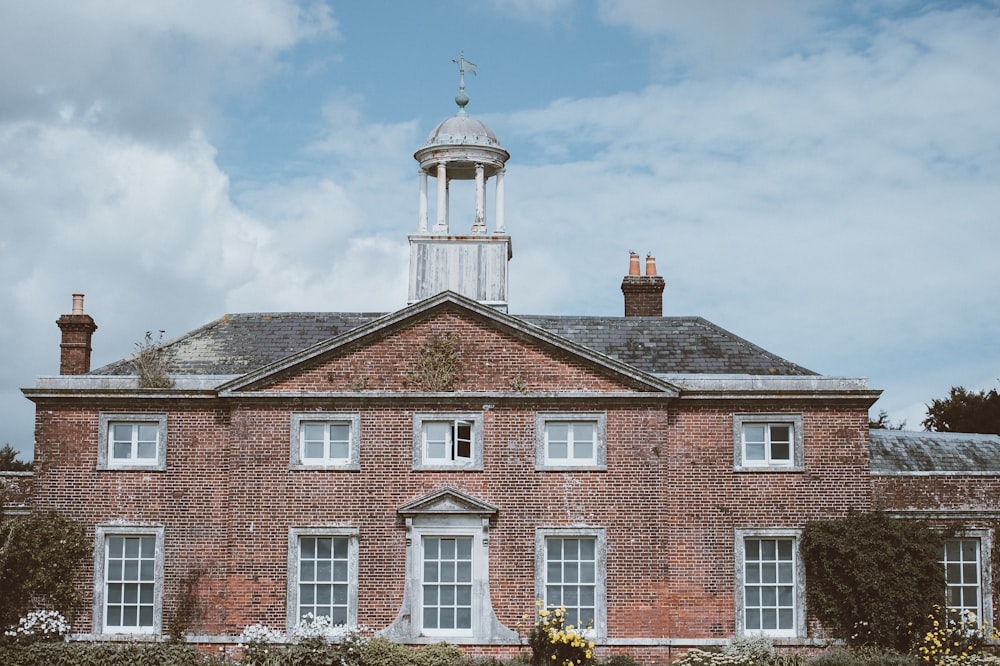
[(715, 37), (151, 69), (772, 189)]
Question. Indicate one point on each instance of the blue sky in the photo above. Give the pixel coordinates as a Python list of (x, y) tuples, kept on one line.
[(821, 178)]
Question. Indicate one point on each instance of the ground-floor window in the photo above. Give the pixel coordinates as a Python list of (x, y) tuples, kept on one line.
[(323, 574), (770, 583), (128, 589), (570, 573), (447, 583), (963, 575)]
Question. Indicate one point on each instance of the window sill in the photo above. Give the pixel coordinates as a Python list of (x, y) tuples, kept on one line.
[(770, 469), (572, 468)]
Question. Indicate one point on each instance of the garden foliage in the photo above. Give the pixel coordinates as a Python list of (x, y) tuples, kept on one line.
[(38, 556), (872, 579)]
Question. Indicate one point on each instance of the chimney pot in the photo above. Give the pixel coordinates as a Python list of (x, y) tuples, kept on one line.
[(650, 264), (633, 263), (78, 304)]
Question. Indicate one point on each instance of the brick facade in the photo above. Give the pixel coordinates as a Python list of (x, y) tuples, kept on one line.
[(670, 499)]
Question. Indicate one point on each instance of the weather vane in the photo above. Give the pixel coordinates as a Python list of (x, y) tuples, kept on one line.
[(463, 66)]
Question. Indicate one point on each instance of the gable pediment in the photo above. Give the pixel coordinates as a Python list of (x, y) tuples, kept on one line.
[(450, 502), (497, 353)]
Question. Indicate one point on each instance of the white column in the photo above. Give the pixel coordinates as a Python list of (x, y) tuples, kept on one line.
[(422, 218), (441, 226), (479, 226), (500, 202)]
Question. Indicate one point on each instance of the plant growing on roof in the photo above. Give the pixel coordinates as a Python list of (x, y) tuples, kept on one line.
[(438, 363), (150, 364)]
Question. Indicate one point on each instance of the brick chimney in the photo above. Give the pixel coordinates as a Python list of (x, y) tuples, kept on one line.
[(77, 330), (643, 293)]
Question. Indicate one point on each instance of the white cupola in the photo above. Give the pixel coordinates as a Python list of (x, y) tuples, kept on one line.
[(472, 262)]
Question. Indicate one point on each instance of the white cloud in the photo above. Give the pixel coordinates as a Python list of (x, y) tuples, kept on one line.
[(715, 36), (153, 69)]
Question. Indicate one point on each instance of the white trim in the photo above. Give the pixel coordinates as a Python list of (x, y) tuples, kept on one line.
[(296, 459), (798, 570), (105, 456), (599, 534), (292, 591), (420, 459), (797, 446), (599, 461), (102, 534)]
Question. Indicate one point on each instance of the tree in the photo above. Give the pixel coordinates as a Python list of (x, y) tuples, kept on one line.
[(868, 576), (883, 422), (965, 411), (39, 554), (9, 461)]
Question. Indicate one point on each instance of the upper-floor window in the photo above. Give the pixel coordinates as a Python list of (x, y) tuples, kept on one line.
[(323, 440), (443, 441), (571, 440), (129, 591), (768, 441), (132, 441)]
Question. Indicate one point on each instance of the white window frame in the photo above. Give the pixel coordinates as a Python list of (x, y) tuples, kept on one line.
[(295, 535), (798, 584), (599, 460), (796, 446), (298, 461), (105, 443), (984, 549), (103, 534), (476, 602), (421, 461), (542, 535)]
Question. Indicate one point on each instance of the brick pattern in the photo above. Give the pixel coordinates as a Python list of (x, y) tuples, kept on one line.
[(77, 331), (669, 500), (489, 361), (643, 295)]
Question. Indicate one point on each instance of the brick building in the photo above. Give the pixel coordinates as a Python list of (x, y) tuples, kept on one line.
[(431, 472)]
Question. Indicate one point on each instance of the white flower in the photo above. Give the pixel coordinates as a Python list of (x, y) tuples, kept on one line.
[(41, 623), (258, 633)]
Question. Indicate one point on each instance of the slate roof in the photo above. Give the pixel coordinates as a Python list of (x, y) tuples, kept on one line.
[(240, 343), (909, 452)]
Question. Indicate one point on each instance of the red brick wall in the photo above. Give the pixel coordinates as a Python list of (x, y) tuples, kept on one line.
[(490, 361), (670, 502)]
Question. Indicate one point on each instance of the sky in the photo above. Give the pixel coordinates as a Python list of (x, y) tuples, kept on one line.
[(820, 178)]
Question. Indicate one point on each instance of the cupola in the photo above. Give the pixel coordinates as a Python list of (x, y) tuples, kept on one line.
[(471, 261)]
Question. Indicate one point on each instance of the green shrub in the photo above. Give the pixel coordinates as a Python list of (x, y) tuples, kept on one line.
[(38, 555), (438, 654), (869, 576), (104, 654), (383, 652), (863, 657)]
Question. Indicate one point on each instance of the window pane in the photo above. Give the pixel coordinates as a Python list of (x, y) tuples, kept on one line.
[(753, 433), (754, 451), (781, 433), (339, 450), (780, 451)]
